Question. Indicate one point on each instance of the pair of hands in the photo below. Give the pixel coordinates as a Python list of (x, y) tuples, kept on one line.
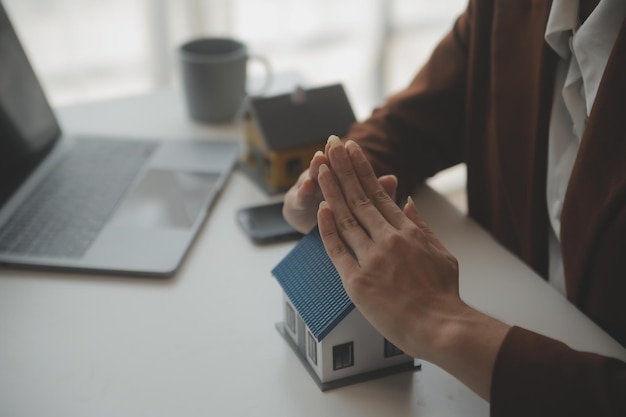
[(403, 279), (302, 200)]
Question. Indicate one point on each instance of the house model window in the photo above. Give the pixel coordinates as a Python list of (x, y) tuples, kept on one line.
[(391, 350), (312, 348), (324, 314), (342, 356), (290, 317)]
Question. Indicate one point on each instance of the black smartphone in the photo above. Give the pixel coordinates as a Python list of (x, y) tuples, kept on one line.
[(266, 224)]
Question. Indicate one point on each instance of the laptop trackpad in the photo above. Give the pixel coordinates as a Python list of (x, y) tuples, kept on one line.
[(167, 199)]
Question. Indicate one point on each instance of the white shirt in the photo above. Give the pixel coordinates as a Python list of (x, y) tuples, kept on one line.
[(584, 51)]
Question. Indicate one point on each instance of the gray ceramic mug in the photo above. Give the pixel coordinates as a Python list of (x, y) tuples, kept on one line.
[(214, 72)]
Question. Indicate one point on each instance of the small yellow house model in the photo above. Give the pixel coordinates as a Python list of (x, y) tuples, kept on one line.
[(283, 132)]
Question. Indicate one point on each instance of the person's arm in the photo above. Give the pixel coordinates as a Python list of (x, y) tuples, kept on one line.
[(406, 284), (420, 130), (416, 133), (535, 375), (401, 277)]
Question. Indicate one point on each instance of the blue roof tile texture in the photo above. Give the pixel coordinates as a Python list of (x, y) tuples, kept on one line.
[(310, 280)]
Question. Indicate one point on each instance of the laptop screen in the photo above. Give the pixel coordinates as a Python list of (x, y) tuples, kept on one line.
[(28, 128)]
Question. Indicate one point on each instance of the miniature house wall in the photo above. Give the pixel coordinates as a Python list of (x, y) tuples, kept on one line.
[(283, 132), (332, 338)]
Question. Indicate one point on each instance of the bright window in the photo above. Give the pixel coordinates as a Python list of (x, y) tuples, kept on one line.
[(92, 49)]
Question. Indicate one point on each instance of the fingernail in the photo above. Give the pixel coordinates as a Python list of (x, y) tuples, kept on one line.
[(352, 146), (323, 205), (410, 201), (334, 141), (318, 153), (323, 168)]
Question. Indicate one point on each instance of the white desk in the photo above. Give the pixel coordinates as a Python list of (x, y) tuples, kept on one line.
[(203, 343)]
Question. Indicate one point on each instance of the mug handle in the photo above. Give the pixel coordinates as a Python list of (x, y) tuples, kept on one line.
[(269, 75)]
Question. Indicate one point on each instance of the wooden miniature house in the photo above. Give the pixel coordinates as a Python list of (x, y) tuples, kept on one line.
[(333, 340), (283, 132)]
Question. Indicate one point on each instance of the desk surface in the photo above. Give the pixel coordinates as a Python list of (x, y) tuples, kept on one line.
[(203, 343)]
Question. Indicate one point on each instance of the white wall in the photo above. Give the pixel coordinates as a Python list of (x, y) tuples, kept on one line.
[(368, 349)]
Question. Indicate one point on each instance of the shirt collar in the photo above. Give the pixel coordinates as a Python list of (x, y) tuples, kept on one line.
[(594, 42), (562, 22)]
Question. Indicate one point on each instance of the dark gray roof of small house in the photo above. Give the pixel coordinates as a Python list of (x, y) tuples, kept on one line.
[(286, 124), (310, 280)]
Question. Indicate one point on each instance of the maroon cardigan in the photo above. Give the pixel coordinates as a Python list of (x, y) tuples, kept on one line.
[(484, 98)]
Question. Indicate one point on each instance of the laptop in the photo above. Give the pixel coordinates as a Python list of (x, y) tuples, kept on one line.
[(110, 205)]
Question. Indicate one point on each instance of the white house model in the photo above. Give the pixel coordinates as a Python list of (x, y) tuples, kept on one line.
[(337, 345)]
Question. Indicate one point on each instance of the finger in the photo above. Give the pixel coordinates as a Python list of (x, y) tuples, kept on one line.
[(303, 191), (390, 184), (411, 212), (372, 187), (348, 226), (306, 192), (318, 159), (335, 247), (355, 197)]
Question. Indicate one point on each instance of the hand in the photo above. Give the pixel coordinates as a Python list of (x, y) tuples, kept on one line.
[(303, 199), (401, 278)]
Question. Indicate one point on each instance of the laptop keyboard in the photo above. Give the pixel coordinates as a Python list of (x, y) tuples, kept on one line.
[(64, 214)]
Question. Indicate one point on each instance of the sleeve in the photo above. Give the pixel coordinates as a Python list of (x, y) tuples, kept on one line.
[(538, 376), (419, 131)]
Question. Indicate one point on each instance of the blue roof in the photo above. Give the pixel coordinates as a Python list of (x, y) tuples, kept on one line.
[(310, 280)]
